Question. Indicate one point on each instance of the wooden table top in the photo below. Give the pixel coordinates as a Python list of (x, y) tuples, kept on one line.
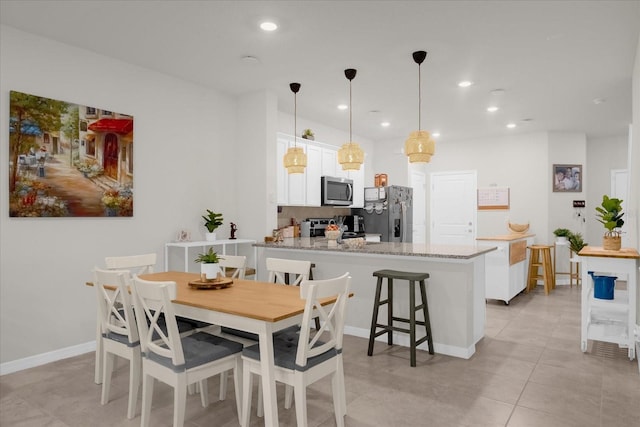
[(599, 251), (248, 298)]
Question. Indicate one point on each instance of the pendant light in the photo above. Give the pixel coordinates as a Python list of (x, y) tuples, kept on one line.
[(295, 160), (350, 156), (420, 146)]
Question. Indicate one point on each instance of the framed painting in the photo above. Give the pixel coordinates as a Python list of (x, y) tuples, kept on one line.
[(68, 160), (567, 178)]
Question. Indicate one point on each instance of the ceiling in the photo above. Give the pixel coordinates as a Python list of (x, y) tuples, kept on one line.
[(542, 62)]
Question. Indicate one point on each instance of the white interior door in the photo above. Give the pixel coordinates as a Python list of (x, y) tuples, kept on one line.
[(418, 181), (453, 208)]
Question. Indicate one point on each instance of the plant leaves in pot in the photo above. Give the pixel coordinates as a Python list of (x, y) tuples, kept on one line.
[(576, 242), (609, 214), (209, 266), (562, 234), (212, 221)]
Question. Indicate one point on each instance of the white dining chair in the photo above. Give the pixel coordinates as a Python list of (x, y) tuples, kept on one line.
[(143, 264), (301, 363), (178, 360), (279, 269), (237, 264), (119, 332)]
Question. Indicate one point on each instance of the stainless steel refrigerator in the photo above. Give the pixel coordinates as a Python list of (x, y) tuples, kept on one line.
[(388, 211)]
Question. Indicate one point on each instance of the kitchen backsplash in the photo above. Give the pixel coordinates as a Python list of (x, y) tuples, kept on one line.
[(300, 213)]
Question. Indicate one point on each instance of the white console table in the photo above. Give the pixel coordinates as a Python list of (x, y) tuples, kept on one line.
[(610, 320), (205, 244)]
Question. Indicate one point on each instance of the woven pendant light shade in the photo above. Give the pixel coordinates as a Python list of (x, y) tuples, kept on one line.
[(295, 160), (419, 146), (350, 156)]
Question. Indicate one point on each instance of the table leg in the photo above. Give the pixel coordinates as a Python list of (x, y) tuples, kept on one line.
[(268, 376)]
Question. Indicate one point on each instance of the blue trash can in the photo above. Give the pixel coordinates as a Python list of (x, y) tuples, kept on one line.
[(603, 286)]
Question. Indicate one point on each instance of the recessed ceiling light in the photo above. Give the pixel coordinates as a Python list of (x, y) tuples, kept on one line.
[(511, 125), (268, 26), (492, 109), (385, 124), (435, 134), (465, 83), (343, 107)]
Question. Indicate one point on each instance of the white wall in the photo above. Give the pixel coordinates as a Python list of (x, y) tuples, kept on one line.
[(604, 154), (184, 136)]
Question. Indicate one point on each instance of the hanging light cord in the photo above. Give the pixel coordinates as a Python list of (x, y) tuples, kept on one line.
[(295, 120), (350, 137), (419, 98)]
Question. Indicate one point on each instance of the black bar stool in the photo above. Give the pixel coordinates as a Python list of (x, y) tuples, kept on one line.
[(389, 328)]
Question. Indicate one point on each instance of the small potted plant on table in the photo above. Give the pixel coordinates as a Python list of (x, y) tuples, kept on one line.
[(610, 214), (212, 221), (209, 266)]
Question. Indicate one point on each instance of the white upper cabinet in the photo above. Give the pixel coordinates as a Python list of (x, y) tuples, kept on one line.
[(303, 189)]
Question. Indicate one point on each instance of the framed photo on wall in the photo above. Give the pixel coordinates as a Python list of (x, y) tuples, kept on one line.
[(567, 178)]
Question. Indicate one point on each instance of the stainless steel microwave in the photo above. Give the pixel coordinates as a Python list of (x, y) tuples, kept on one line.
[(336, 191)]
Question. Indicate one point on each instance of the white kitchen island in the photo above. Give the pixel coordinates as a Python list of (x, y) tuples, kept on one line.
[(455, 288)]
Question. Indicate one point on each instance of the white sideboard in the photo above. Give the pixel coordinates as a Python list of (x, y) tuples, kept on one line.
[(610, 320), (506, 267), (229, 246)]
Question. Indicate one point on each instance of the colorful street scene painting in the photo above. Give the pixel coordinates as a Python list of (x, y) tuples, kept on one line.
[(68, 160)]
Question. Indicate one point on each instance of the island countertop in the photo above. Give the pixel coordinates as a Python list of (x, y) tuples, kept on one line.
[(384, 248)]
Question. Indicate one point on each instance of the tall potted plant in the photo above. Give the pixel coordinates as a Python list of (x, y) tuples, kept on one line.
[(212, 221), (610, 214), (209, 266)]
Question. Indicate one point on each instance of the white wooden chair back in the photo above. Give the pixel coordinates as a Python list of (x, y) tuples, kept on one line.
[(278, 267), (114, 303), (332, 317), (150, 299), (234, 261), (143, 263)]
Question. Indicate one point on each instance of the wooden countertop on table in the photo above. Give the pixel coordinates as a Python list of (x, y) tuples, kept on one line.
[(599, 251)]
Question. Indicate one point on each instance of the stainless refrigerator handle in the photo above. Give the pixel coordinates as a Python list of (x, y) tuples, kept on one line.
[(403, 209)]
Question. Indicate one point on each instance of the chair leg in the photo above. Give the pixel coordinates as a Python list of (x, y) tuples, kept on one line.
[(224, 377), (374, 318), (260, 409), (204, 393), (134, 384), (147, 396), (237, 385), (412, 321), (107, 371), (390, 310), (288, 396), (300, 392), (425, 313), (180, 400)]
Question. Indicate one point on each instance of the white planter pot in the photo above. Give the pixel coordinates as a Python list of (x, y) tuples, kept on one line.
[(210, 270), (210, 236), (561, 239)]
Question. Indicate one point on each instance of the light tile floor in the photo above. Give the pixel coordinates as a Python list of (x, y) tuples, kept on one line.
[(527, 371)]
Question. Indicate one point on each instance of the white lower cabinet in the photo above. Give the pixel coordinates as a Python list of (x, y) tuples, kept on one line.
[(506, 267)]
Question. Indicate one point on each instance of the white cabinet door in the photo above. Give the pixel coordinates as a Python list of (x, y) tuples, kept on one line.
[(297, 181), (358, 187), (329, 162), (313, 173), (282, 177)]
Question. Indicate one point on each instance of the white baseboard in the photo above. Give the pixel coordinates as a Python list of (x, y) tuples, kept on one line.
[(44, 358)]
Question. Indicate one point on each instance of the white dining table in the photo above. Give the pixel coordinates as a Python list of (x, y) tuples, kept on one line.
[(258, 307)]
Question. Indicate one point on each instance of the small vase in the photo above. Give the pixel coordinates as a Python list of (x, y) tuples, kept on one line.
[(111, 211), (210, 270), (561, 239), (210, 237)]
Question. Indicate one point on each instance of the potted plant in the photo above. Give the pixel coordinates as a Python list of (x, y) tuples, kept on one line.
[(562, 234), (576, 242), (212, 221), (610, 214), (308, 134), (209, 266)]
